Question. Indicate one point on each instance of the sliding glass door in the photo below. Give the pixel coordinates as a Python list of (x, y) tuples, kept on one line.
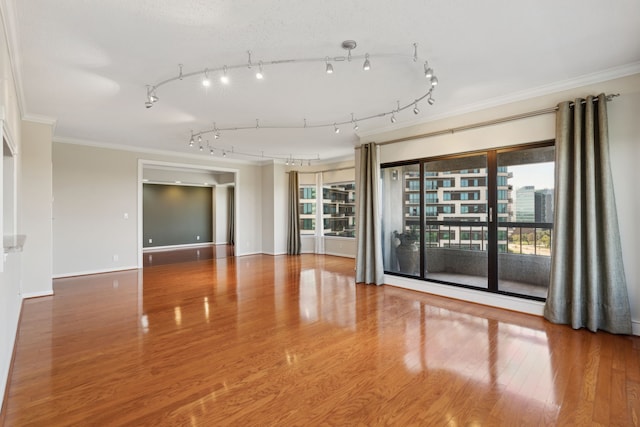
[(481, 220)]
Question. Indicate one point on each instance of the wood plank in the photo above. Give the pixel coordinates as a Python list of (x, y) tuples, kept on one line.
[(294, 341)]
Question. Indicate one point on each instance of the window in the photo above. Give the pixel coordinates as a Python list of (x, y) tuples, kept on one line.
[(493, 232), (339, 209)]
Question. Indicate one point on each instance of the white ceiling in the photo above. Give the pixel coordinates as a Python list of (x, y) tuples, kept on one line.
[(85, 63)]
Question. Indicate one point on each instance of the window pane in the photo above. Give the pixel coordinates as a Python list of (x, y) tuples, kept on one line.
[(456, 235), (307, 209), (526, 230), (401, 218), (339, 209)]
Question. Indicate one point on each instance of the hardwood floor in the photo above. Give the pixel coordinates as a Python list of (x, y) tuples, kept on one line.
[(263, 340)]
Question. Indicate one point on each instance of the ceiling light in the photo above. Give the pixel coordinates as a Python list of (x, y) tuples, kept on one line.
[(428, 71), (224, 78), (224, 153), (210, 152), (201, 147), (205, 80), (259, 74), (328, 67), (349, 45)]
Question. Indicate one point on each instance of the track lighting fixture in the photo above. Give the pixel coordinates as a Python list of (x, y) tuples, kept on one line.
[(224, 153), (224, 78), (428, 71), (349, 45), (328, 68), (287, 162), (367, 65), (259, 74), (205, 80), (151, 97), (211, 151)]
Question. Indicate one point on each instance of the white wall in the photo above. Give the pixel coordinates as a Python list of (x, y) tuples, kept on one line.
[(36, 209), (268, 212), (10, 276), (94, 187), (624, 131), (220, 214)]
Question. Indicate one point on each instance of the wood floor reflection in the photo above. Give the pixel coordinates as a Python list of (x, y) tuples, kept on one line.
[(263, 340)]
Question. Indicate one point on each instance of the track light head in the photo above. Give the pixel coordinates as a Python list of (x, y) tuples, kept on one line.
[(393, 118), (217, 135), (201, 147), (205, 79), (428, 71), (328, 68), (355, 126), (416, 110), (191, 141), (430, 100), (434, 81), (259, 74), (211, 151), (367, 65), (336, 129), (148, 104), (224, 153), (224, 78)]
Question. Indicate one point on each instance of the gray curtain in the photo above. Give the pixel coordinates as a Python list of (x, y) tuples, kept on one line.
[(293, 235), (231, 216), (588, 286), (369, 268)]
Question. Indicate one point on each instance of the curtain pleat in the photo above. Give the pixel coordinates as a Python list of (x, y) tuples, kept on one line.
[(293, 234), (587, 286), (369, 268)]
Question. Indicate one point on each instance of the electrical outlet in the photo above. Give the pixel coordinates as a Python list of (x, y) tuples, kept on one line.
[(197, 237), (115, 257), (150, 240), (126, 215)]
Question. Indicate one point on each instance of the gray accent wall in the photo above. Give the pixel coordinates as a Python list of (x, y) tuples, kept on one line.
[(176, 215)]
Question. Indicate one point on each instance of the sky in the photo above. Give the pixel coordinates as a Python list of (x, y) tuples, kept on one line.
[(540, 175)]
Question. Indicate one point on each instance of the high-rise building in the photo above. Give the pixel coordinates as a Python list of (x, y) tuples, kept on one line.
[(544, 205), (525, 204)]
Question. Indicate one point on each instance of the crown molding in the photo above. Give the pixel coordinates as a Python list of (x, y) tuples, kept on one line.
[(568, 84), (37, 118), (129, 148)]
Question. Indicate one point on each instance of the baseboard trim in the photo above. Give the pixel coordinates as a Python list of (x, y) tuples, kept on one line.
[(274, 253), (494, 300), (88, 272), (37, 295), (635, 327), (343, 255), (173, 247), (249, 253)]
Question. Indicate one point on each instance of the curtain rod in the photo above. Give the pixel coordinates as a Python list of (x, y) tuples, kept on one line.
[(326, 170), (487, 122)]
